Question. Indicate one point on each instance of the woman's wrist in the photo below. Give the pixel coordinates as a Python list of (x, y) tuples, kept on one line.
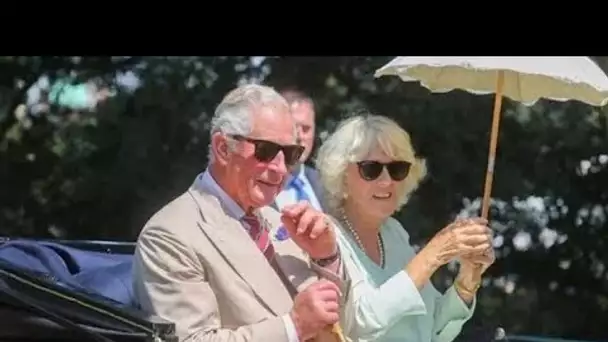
[(466, 292), (467, 286), (421, 268), (467, 283), (431, 257), (469, 275)]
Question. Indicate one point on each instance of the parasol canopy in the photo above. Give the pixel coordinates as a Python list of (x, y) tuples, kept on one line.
[(523, 79)]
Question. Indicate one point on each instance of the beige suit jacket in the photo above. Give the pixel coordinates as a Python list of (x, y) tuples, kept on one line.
[(197, 267)]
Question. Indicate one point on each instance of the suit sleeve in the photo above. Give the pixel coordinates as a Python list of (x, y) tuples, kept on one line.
[(340, 278), (170, 282)]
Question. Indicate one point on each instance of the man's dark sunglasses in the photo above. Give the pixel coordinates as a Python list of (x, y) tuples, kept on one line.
[(370, 170), (266, 151)]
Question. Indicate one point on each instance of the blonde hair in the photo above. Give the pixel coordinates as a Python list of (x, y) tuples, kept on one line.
[(352, 142)]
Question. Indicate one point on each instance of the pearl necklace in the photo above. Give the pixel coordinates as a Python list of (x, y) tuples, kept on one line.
[(358, 239)]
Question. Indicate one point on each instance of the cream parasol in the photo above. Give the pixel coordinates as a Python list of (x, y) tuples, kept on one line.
[(523, 79)]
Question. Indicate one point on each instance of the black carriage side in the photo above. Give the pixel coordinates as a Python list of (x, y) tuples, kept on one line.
[(35, 306)]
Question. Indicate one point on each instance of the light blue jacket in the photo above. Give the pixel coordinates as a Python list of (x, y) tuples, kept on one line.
[(385, 304)]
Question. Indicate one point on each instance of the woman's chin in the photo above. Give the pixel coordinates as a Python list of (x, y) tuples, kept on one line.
[(381, 211)]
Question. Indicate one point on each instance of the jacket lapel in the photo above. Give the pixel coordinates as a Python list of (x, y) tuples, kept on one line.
[(295, 266), (274, 205), (240, 252), (292, 261)]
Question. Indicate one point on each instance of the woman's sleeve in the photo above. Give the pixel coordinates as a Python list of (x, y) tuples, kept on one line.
[(451, 313), (371, 310)]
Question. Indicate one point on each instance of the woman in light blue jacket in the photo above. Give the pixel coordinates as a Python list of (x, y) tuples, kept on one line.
[(368, 169)]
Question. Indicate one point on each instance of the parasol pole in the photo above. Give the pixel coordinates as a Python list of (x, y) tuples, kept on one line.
[(487, 189)]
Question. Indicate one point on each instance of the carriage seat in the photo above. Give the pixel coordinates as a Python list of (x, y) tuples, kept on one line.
[(100, 273)]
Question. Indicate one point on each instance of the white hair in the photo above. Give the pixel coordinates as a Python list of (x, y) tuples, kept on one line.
[(233, 115), (352, 142)]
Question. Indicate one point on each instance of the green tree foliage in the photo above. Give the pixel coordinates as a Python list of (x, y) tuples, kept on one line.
[(101, 173)]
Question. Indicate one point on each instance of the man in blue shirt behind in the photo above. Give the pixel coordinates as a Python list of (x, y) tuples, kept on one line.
[(303, 184)]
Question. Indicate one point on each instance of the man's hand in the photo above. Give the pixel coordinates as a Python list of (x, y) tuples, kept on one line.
[(316, 308), (310, 229)]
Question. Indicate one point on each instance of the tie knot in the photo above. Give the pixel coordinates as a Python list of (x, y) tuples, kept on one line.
[(251, 219), (297, 182)]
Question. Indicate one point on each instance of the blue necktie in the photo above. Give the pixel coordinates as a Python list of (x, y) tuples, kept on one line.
[(298, 185)]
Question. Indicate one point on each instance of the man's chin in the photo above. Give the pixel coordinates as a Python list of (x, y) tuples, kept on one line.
[(264, 194), (262, 201)]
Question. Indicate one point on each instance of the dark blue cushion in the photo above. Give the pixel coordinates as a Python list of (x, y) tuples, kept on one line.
[(108, 275)]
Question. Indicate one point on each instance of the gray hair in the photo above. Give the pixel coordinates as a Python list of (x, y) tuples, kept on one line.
[(351, 142), (233, 115)]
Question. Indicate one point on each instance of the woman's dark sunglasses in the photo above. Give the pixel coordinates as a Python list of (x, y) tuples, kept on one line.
[(266, 151), (371, 170)]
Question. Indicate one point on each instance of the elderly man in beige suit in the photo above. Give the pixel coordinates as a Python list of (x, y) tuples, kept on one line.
[(223, 265)]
